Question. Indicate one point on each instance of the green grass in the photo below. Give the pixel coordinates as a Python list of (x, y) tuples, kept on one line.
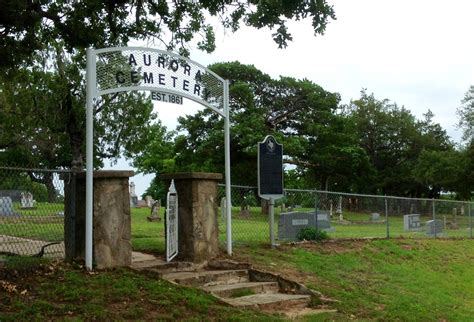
[(242, 292), (43, 224), (41, 209), (255, 229), (417, 278), (147, 236), (403, 279), (62, 292)]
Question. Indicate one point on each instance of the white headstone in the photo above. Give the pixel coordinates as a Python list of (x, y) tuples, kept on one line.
[(6, 206), (339, 209), (155, 211), (133, 195), (412, 222), (132, 190), (375, 216), (27, 200)]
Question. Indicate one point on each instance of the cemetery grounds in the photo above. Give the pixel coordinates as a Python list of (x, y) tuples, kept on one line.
[(373, 279), (407, 277)]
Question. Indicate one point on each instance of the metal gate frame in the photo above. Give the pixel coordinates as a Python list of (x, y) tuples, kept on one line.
[(171, 223), (93, 92)]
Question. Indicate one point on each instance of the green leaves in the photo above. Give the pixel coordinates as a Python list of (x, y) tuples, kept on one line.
[(466, 115), (397, 145), (30, 26)]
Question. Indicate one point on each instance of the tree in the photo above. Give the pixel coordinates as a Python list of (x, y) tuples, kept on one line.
[(466, 174), (393, 140), (44, 116), (440, 171), (466, 115), (259, 106), (28, 26), (43, 43)]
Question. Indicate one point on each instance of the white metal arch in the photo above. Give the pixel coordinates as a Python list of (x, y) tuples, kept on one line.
[(167, 91), (95, 89)]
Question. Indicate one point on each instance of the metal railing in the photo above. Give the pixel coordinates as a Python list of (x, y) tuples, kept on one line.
[(349, 215)]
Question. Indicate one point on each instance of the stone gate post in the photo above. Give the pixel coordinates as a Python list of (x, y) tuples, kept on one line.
[(198, 232), (111, 220)]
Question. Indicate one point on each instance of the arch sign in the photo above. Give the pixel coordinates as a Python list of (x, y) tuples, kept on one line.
[(169, 77)]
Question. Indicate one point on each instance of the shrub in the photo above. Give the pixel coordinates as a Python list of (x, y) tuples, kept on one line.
[(311, 233)]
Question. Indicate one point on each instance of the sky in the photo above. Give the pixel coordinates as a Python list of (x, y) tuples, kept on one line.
[(419, 54)]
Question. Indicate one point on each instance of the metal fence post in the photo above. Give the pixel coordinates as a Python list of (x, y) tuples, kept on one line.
[(470, 221), (386, 218), (72, 209), (316, 209), (434, 218)]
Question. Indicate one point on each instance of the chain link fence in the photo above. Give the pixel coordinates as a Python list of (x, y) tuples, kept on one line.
[(344, 215), (32, 211)]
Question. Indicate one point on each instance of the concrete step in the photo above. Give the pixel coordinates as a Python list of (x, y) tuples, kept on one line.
[(271, 302), (208, 278), (232, 290), (160, 266)]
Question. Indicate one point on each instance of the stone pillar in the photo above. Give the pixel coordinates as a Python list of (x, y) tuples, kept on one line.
[(111, 220), (198, 232)]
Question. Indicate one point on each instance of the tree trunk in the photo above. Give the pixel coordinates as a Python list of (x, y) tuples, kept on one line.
[(52, 193), (75, 133), (48, 180)]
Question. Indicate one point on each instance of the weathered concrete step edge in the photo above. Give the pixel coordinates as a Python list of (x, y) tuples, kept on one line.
[(208, 278), (279, 302), (164, 266), (228, 290)]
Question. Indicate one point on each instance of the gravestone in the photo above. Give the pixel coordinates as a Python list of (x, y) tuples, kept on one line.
[(27, 201), (454, 223), (244, 211), (6, 206), (434, 227), (141, 204), (149, 201), (133, 196), (324, 221), (411, 222), (155, 211), (375, 216), (339, 209), (291, 223), (15, 195)]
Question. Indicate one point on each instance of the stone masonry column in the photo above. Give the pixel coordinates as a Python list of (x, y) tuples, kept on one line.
[(198, 232), (111, 220)]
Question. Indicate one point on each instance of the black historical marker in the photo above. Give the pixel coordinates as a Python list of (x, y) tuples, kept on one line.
[(270, 169)]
